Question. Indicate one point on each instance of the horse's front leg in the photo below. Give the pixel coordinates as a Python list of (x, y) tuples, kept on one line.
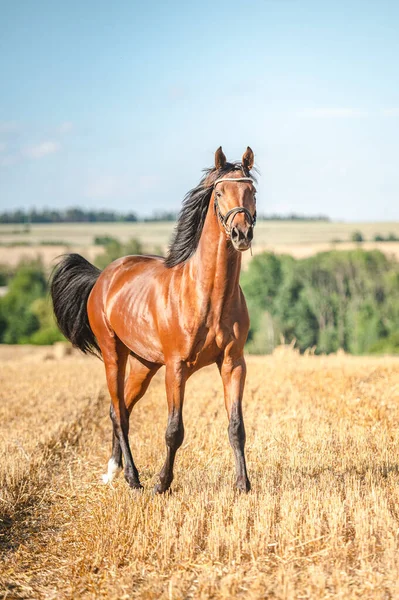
[(175, 379), (233, 371)]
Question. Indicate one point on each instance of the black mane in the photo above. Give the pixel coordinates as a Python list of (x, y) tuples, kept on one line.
[(193, 212)]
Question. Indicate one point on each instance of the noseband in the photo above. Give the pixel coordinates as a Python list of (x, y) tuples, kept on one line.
[(234, 211)]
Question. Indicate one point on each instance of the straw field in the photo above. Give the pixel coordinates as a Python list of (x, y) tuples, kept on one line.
[(159, 233), (321, 521), (298, 238)]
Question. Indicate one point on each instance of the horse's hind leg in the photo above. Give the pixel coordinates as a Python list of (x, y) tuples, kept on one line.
[(115, 465), (115, 355), (136, 385)]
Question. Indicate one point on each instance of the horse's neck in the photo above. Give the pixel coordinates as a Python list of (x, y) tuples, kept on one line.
[(215, 266)]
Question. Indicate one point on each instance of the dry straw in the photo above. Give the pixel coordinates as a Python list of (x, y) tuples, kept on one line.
[(322, 520)]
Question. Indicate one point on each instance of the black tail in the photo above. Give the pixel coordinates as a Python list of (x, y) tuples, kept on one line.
[(71, 283)]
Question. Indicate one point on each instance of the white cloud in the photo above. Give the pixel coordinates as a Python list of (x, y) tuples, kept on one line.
[(390, 112), (147, 182), (104, 186), (8, 127), (111, 186), (176, 92), (65, 127), (43, 149), (8, 161), (332, 113)]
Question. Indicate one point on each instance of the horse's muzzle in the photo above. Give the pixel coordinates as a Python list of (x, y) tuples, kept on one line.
[(241, 237)]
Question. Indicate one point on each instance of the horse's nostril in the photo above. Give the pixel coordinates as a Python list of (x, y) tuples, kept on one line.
[(235, 233), (238, 235)]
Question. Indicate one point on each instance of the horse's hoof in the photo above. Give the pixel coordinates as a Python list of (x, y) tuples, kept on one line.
[(113, 471), (243, 486), (135, 485), (159, 489)]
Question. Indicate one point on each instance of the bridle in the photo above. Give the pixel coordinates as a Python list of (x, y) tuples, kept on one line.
[(233, 211)]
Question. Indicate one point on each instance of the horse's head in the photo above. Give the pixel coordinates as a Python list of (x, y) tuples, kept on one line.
[(234, 197)]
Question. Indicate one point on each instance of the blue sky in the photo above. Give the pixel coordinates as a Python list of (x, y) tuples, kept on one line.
[(120, 105)]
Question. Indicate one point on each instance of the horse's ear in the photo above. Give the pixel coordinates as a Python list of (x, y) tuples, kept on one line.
[(220, 159), (248, 159)]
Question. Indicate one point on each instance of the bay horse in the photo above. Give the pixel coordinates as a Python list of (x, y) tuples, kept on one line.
[(184, 311)]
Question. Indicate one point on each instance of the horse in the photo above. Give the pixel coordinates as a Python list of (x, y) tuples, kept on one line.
[(185, 311)]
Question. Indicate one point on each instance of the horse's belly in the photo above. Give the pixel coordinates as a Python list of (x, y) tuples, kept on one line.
[(145, 347)]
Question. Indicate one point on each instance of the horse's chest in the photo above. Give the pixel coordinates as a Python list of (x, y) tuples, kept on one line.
[(207, 346)]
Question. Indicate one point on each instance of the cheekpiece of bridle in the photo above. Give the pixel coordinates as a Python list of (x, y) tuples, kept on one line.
[(224, 219)]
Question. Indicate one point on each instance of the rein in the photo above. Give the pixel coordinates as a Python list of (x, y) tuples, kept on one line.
[(234, 211)]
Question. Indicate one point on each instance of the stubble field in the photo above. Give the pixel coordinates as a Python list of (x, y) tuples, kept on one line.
[(322, 519)]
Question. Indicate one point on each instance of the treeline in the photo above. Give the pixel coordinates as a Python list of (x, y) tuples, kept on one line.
[(26, 315), (329, 301), (293, 217), (357, 236), (333, 300), (79, 215), (69, 215)]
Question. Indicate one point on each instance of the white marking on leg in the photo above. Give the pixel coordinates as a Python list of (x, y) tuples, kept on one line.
[(113, 471)]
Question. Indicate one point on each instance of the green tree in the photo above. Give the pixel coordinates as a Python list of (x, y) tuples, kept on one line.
[(18, 322), (357, 236), (115, 249), (47, 332), (331, 300), (261, 284)]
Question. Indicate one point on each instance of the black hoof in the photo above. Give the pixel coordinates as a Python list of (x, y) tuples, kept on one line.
[(243, 485), (161, 489), (134, 484)]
